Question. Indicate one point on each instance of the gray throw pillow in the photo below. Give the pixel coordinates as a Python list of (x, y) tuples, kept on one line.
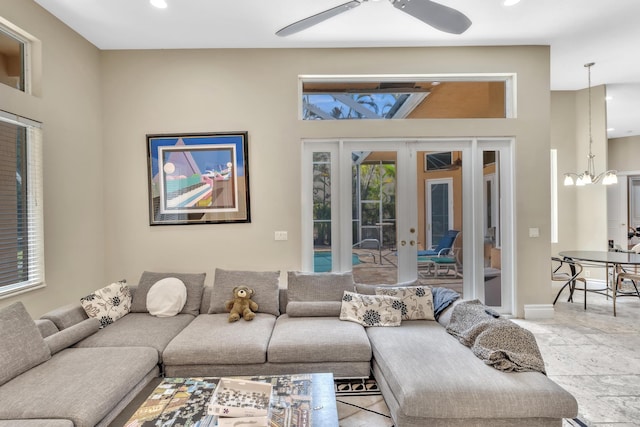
[(193, 282), (264, 284), (21, 345)]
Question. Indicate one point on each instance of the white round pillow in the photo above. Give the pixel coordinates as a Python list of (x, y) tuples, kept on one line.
[(166, 297)]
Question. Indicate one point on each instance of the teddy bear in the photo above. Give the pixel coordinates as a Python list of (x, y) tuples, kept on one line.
[(241, 305)]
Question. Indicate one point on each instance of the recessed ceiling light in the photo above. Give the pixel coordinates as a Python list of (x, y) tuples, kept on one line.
[(160, 4), (510, 2), (610, 129), (608, 98)]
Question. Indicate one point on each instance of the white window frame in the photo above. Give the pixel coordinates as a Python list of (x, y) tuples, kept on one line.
[(35, 213), (22, 37)]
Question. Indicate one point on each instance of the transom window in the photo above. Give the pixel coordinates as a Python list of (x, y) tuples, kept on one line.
[(12, 60), (405, 97)]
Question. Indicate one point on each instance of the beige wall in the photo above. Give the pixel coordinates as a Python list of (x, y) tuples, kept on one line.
[(582, 211), (592, 228), (624, 154), (563, 139), (68, 105), (256, 90)]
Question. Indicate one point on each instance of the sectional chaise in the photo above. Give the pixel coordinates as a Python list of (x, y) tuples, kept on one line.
[(69, 369)]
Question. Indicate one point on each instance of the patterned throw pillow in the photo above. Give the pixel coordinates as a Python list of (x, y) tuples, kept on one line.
[(416, 301), (108, 304), (371, 310)]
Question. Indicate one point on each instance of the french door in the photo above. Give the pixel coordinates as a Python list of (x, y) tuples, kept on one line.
[(369, 206)]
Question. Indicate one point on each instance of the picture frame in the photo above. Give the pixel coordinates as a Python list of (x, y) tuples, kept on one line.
[(198, 178)]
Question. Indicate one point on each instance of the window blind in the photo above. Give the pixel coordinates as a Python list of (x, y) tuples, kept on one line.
[(21, 213)]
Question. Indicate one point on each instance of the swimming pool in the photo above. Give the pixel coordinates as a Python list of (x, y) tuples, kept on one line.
[(322, 261)]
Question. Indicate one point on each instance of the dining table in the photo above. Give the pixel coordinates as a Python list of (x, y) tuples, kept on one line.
[(608, 259)]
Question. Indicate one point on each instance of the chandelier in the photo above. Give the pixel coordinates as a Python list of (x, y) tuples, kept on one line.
[(589, 176)]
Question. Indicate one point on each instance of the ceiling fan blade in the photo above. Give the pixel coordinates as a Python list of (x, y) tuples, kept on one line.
[(437, 15), (316, 19)]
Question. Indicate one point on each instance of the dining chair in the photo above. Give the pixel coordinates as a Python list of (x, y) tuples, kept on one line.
[(621, 276), (559, 273)]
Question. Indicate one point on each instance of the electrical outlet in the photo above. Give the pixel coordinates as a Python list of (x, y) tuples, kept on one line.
[(587, 273), (280, 235)]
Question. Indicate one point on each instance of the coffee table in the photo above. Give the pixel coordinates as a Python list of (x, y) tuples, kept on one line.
[(303, 400)]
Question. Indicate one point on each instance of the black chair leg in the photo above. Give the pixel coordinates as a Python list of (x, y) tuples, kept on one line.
[(559, 292)]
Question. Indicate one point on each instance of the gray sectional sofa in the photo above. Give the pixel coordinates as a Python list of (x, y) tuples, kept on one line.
[(84, 376)]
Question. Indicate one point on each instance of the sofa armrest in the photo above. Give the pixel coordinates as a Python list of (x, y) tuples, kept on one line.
[(66, 316), (72, 335)]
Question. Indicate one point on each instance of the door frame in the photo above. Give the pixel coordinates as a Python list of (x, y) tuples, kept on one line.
[(406, 174)]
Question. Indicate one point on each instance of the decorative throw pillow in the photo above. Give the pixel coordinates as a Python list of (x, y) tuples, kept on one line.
[(416, 301), (166, 297), (21, 345), (193, 281), (371, 310), (108, 304), (264, 283)]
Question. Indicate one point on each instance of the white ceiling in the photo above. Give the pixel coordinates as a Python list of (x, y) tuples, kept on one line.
[(579, 31)]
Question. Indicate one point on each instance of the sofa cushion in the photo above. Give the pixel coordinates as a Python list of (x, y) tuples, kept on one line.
[(139, 330), (21, 344), (82, 385), (333, 341), (316, 294), (36, 423), (166, 297), (432, 375), (108, 304), (367, 289), (66, 315), (193, 282), (371, 310), (72, 334), (318, 286), (211, 340), (314, 308), (264, 284), (46, 327), (416, 301)]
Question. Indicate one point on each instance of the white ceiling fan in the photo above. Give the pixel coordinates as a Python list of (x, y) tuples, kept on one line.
[(434, 14)]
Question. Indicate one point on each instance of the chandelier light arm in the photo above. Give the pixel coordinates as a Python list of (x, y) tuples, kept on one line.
[(589, 176)]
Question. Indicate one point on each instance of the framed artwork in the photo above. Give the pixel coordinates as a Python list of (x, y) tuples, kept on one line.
[(198, 178)]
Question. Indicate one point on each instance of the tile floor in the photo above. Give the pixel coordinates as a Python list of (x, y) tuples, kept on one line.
[(592, 354)]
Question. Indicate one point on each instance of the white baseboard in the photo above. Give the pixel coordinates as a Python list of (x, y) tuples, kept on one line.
[(538, 311)]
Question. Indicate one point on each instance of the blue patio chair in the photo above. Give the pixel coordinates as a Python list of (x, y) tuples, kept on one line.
[(443, 247)]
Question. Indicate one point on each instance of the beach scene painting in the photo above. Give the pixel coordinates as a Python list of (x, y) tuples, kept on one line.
[(198, 178)]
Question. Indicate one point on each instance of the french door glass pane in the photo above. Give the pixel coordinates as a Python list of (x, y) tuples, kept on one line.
[(439, 211), (374, 216), (492, 229), (322, 260)]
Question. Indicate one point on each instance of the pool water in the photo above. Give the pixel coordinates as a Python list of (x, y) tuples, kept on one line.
[(322, 261)]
